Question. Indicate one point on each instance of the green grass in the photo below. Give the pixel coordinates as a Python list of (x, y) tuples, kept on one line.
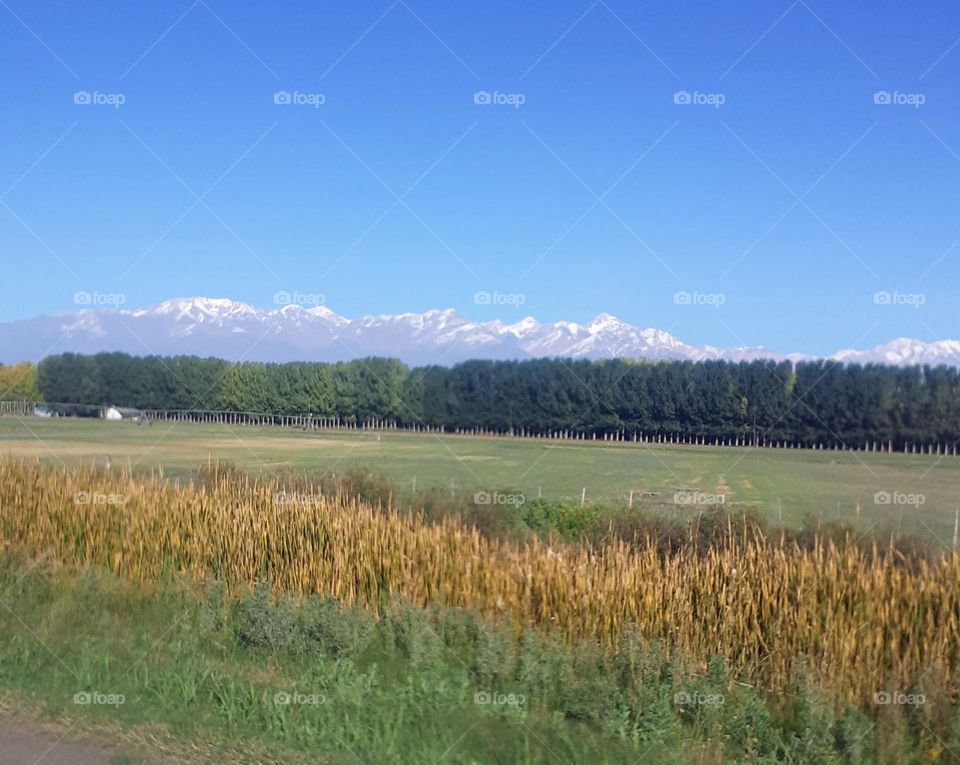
[(200, 671), (789, 484)]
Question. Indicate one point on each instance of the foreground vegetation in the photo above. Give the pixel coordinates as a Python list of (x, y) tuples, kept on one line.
[(860, 620), (252, 677)]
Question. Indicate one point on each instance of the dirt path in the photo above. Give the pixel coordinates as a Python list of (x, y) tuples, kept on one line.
[(22, 744)]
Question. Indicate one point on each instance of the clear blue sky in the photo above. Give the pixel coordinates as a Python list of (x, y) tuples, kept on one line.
[(503, 199)]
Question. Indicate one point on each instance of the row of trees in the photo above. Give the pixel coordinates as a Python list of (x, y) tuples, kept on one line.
[(355, 391), (817, 402), (18, 382)]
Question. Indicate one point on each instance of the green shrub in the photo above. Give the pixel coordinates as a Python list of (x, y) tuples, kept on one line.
[(259, 622), (338, 631)]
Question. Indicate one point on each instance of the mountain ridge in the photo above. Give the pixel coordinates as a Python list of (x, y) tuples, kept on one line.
[(238, 331)]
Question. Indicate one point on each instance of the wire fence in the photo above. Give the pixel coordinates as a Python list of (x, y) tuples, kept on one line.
[(310, 421)]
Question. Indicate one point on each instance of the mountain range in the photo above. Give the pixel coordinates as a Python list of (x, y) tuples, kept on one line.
[(236, 331)]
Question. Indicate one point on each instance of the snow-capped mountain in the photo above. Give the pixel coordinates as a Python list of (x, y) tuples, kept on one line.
[(237, 331), (903, 352)]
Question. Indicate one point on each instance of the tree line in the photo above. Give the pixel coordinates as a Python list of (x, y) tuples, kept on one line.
[(808, 403), (18, 382)]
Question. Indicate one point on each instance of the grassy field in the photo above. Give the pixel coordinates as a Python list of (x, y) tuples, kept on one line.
[(207, 616), (187, 673), (229, 620), (787, 484)]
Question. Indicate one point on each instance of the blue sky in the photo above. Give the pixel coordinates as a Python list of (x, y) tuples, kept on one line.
[(796, 199)]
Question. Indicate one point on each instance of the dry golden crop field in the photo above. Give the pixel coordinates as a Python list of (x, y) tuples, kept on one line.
[(861, 620)]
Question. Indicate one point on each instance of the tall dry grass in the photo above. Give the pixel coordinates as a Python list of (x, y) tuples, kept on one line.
[(861, 622)]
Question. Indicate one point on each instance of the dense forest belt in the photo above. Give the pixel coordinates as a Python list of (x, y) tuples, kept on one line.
[(809, 404), (860, 622)]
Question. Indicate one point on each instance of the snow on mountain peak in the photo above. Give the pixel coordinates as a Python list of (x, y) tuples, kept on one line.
[(603, 322), (203, 308), (905, 351), (523, 327), (323, 312), (227, 328)]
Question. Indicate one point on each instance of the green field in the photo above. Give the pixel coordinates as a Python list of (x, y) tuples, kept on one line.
[(788, 484)]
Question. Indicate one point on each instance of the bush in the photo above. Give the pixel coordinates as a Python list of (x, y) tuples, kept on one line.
[(258, 622), (338, 631)]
